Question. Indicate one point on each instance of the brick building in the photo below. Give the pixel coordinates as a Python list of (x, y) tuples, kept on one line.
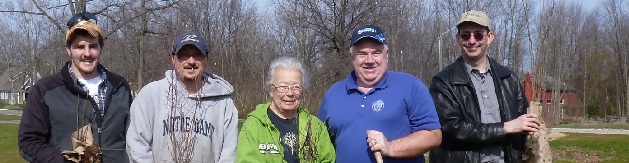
[(567, 102)]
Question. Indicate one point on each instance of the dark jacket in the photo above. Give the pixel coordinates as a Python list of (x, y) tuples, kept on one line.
[(459, 113), (56, 107)]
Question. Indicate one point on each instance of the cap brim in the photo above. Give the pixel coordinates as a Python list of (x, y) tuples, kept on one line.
[(91, 29), (365, 37), (178, 48), (458, 26)]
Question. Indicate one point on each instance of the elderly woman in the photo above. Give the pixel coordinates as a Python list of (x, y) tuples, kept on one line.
[(281, 130)]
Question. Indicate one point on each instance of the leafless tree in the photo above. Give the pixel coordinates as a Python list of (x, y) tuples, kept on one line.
[(559, 39), (616, 14)]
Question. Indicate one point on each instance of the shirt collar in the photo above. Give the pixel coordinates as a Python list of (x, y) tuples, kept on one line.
[(469, 68), (102, 74)]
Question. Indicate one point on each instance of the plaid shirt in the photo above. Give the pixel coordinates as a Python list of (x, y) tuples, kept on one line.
[(102, 90)]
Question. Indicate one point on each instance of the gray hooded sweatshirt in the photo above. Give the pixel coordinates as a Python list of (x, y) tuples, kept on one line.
[(169, 125)]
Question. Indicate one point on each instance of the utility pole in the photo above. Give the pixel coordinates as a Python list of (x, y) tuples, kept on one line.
[(439, 45)]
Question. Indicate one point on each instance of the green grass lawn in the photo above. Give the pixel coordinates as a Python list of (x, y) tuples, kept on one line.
[(576, 147), (600, 125), (8, 144), (9, 117), (12, 107)]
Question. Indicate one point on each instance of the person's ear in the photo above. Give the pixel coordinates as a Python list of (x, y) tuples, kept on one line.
[(490, 37), (173, 59), (69, 50), (350, 56)]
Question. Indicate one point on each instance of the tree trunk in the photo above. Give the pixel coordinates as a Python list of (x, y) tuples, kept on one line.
[(143, 27)]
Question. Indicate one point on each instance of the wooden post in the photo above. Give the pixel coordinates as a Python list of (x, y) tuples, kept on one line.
[(537, 149)]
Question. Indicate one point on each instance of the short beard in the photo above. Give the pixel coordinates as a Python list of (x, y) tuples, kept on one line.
[(186, 79), (183, 78), (86, 72), (79, 70)]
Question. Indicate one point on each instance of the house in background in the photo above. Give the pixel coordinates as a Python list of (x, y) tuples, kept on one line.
[(14, 83), (568, 100)]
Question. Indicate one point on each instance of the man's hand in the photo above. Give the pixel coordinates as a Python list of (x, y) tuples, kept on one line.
[(378, 142), (526, 122)]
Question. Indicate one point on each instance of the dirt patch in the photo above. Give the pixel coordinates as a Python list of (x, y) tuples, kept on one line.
[(555, 135), (574, 154)]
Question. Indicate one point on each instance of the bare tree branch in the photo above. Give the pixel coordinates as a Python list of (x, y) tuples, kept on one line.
[(55, 22), (124, 22)]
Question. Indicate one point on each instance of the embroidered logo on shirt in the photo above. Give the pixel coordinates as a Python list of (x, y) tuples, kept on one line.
[(377, 106), (268, 148)]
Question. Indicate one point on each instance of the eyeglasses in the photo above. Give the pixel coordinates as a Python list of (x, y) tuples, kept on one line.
[(84, 16), (187, 56), (285, 88), (477, 35)]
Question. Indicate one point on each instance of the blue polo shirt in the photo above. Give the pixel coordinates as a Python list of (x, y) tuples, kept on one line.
[(397, 106)]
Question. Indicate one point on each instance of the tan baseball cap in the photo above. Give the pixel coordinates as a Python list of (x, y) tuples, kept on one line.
[(477, 17), (88, 26)]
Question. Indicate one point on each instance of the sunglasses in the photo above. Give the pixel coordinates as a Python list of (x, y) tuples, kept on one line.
[(477, 35), (84, 16)]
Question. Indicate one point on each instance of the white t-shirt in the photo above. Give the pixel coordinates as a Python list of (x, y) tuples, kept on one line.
[(92, 86)]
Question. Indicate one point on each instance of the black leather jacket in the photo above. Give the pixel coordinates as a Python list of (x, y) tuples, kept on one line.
[(459, 113)]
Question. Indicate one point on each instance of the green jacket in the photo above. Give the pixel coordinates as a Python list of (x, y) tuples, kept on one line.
[(259, 140)]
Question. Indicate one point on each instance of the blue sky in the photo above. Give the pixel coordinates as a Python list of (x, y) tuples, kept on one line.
[(588, 5), (262, 5)]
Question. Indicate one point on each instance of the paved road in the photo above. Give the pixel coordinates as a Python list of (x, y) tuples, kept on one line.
[(11, 112), (10, 122), (569, 130), (590, 131)]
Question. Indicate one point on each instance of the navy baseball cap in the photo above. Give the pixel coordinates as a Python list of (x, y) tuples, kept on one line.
[(368, 31), (190, 38)]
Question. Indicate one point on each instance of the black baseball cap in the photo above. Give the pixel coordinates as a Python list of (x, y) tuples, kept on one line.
[(83, 16), (190, 38), (368, 31)]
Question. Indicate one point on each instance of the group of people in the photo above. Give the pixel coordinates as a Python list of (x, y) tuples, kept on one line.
[(473, 111)]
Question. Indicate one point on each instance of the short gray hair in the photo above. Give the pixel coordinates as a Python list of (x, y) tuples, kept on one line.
[(352, 49), (287, 62)]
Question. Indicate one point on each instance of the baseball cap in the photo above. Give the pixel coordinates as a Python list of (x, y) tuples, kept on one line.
[(83, 21), (190, 38), (477, 17), (368, 31)]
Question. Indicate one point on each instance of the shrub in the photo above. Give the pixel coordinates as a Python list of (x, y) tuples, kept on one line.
[(593, 109)]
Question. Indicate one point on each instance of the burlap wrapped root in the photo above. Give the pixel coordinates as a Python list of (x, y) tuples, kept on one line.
[(85, 148), (537, 147)]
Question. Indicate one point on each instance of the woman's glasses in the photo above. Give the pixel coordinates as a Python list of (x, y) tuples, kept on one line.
[(84, 16), (285, 88)]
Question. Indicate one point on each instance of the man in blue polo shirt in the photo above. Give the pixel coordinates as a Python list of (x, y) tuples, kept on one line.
[(377, 110)]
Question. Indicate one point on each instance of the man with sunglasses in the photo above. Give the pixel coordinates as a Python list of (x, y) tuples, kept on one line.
[(189, 115), (81, 112), (375, 110), (481, 104)]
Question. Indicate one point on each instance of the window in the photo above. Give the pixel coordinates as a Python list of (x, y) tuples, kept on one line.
[(549, 101), (561, 102)]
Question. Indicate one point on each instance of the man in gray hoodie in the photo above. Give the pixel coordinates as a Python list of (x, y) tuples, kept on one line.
[(189, 116)]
